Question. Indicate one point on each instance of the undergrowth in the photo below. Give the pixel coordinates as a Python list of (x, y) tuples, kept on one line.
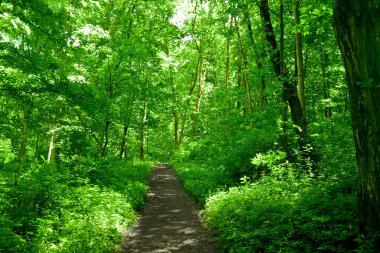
[(82, 205), (201, 181), (277, 205), (284, 212)]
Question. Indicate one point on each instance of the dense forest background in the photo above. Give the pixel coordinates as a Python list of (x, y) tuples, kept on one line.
[(251, 101)]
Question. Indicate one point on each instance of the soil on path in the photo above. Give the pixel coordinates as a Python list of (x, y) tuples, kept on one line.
[(170, 221)]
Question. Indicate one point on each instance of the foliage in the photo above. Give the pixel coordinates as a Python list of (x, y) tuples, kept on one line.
[(57, 210), (88, 87), (201, 181), (277, 207), (232, 149), (86, 219), (288, 211), (131, 182)]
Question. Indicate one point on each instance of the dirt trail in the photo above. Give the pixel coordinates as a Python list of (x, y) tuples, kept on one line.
[(170, 221)]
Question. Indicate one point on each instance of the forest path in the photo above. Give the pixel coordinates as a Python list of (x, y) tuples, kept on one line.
[(170, 221)]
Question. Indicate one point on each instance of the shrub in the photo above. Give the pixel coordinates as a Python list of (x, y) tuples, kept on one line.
[(284, 211), (85, 219), (201, 180), (82, 205)]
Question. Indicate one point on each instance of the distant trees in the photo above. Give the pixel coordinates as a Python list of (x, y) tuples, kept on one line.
[(80, 71), (236, 60)]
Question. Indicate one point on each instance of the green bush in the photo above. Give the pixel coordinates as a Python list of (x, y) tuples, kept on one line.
[(85, 219), (233, 151), (130, 179), (82, 205), (201, 180), (285, 211)]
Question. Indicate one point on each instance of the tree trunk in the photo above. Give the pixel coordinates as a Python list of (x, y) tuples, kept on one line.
[(176, 128), (259, 65), (124, 141), (191, 90), (228, 57), (106, 137), (299, 57), (357, 27), (175, 115), (199, 96), (289, 89), (239, 83), (51, 148), (245, 75), (142, 132), (22, 150), (284, 140), (326, 85)]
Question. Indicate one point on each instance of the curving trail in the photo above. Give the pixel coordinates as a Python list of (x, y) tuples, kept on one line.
[(170, 221)]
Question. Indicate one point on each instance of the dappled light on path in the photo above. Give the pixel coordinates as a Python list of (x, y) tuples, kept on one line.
[(169, 222)]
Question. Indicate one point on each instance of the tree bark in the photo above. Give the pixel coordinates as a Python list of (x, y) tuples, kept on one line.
[(175, 115), (245, 75), (228, 57), (289, 89), (357, 27), (284, 140), (51, 149), (299, 57), (259, 65), (191, 90), (326, 85), (142, 130), (239, 84), (106, 137), (199, 96), (124, 141), (23, 146)]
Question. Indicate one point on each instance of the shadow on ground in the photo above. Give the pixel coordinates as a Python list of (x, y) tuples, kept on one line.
[(170, 221)]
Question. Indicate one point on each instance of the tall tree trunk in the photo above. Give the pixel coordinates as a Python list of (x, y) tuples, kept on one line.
[(144, 115), (36, 146), (24, 141), (176, 128), (98, 141), (122, 152), (127, 122), (187, 103), (199, 96), (357, 26), (289, 89), (259, 65), (51, 148), (106, 138), (228, 56), (239, 83), (22, 150), (284, 116), (326, 85), (299, 56), (175, 115), (245, 75)]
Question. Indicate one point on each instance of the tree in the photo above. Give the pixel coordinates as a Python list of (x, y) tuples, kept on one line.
[(357, 26), (289, 87), (299, 56)]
